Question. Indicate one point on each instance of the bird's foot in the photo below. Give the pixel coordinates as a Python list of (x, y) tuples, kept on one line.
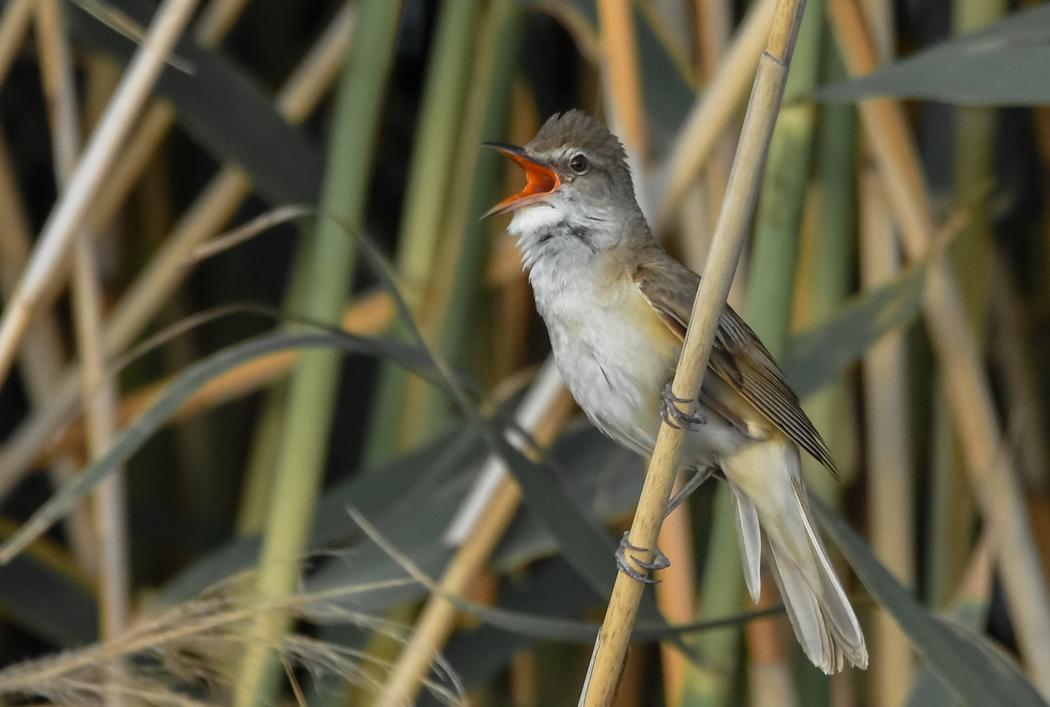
[(659, 562), (673, 415)]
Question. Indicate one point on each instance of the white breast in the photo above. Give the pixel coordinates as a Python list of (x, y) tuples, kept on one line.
[(616, 369), (614, 352), (612, 368)]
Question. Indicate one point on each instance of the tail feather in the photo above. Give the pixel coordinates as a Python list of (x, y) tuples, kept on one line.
[(823, 620), (838, 613), (750, 533), (804, 611), (767, 490)]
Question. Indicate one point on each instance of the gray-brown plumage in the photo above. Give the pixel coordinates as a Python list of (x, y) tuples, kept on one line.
[(737, 357), (616, 306)]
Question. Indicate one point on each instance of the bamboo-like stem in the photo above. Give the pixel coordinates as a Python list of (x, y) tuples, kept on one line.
[(409, 411), (771, 294), (43, 356), (709, 116), (215, 22), (728, 241), (716, 654), (889, 468), (98, 388), (989, 466), (434, 625), (974, 144), (101, 152), (771, 286), (455, 302), (621, 74), (697, 214), (257, 487), (621, 89), (435, 146), (890, 471), (449, 314), (546, 389), (683, 679), (676, 594), (300, 461), (778, 216), (621, 78), (166, 269), (713, 19), (952, 504), (301, 92), (396, 423), (830, 255), (100, 416), (769, 675)]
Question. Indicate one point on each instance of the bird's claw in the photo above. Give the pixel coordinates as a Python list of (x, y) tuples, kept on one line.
[(673, 415), (659, 562)]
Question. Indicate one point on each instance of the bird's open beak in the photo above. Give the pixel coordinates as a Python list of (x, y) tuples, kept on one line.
[(542, 180)]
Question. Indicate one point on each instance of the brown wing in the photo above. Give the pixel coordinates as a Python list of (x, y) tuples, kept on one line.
[(737, 357)]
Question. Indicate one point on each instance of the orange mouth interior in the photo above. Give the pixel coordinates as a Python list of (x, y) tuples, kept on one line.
[(541, 181)]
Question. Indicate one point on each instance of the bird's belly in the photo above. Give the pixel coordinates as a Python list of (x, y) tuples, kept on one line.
[(617, 372), (615, 377)]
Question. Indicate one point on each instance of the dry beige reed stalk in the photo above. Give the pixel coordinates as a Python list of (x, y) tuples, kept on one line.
[(730, 233), (99, 155), (43, 356), (890, 473), (621, 74), (989, 466), (706, 123), (434, 625), (97, 386), (184, 645), (165, 270)]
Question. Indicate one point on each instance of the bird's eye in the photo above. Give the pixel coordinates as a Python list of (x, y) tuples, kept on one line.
[(579, 164)]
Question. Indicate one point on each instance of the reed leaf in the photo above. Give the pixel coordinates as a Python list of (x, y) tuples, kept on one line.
[(976, 672), (968, 70), (211, 102)]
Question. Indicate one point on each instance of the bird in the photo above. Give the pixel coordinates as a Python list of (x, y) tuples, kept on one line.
[(616, 307)]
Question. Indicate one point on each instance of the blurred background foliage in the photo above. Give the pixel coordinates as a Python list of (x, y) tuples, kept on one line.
[(337, 350)]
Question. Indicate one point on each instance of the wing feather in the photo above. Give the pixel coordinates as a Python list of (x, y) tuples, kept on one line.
[(738, 357)]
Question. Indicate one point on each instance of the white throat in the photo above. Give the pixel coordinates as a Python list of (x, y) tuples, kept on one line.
[(534, 219)]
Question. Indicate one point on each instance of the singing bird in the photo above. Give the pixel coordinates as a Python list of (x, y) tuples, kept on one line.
[(616, 307)]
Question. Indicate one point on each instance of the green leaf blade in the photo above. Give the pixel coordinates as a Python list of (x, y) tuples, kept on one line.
[(975, 671), (1004, 64)]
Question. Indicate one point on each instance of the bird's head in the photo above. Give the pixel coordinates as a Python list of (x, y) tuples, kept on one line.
[(579, 186)]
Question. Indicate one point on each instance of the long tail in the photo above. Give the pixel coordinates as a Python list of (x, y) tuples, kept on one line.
[(766, 481)]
